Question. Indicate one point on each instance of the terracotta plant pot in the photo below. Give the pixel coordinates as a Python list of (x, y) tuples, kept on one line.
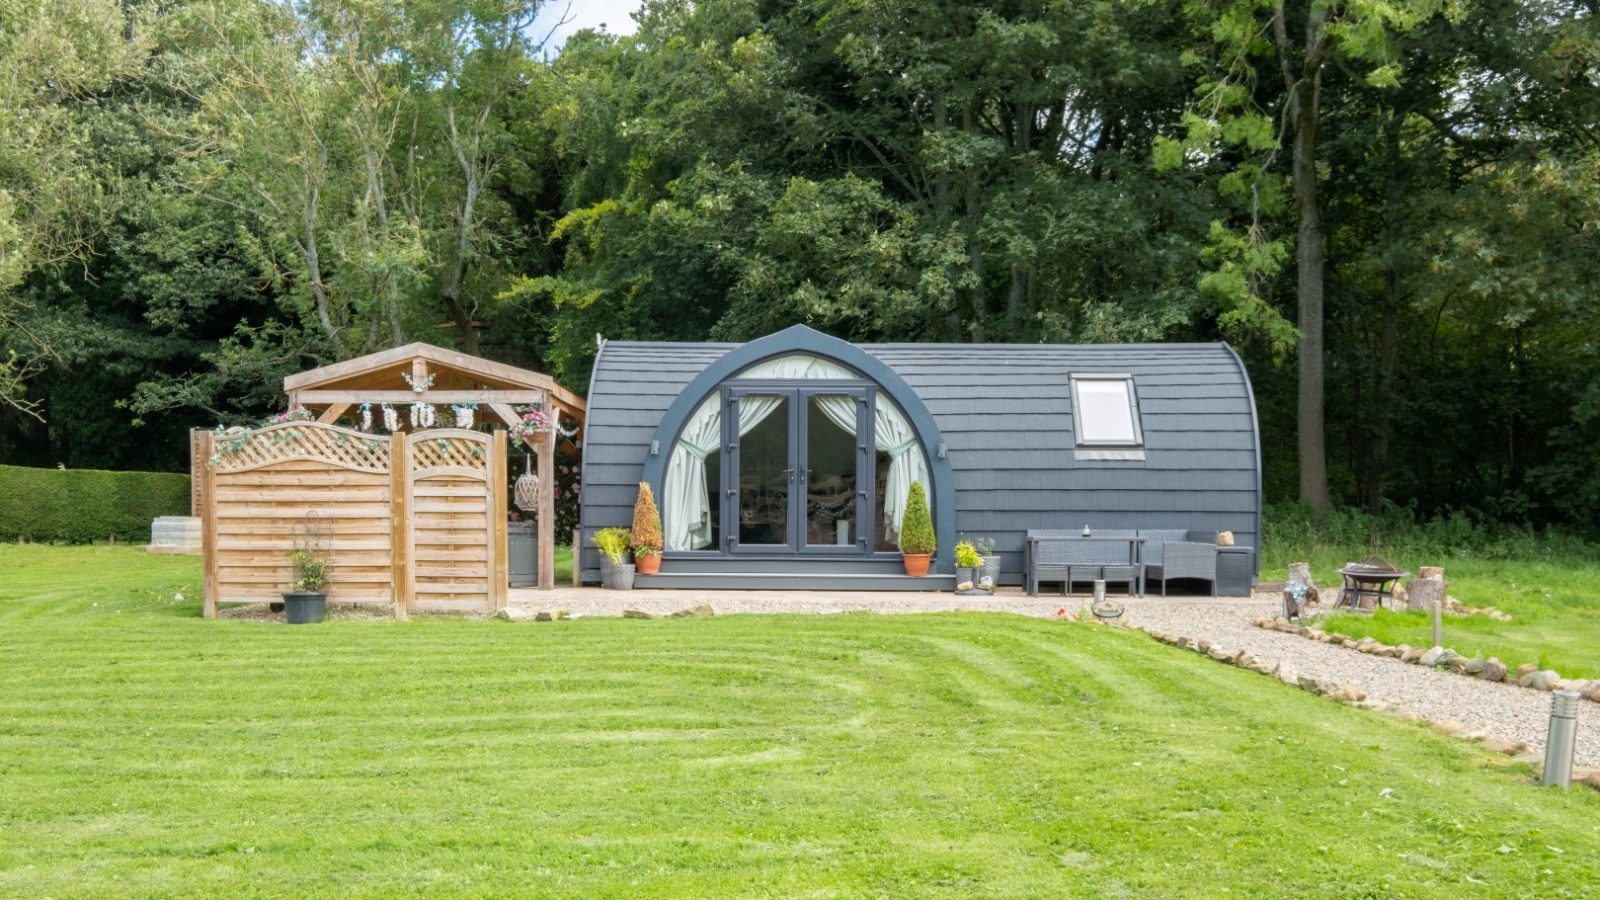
[(916, 563), (648, 563)]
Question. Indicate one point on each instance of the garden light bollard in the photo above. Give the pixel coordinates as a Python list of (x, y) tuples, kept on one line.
[(1563, 737), (1099, 591)]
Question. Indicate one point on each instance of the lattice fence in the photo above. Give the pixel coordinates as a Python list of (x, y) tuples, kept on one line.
[(264, 492)]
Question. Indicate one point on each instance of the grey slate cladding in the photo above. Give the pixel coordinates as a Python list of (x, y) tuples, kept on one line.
[(1005, 411)]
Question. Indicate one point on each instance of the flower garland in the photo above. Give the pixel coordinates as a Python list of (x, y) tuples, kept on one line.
[(391, 419), (422, 415), (536, 422), (418, 386), (464, 413), (366, 416), (232, 440)]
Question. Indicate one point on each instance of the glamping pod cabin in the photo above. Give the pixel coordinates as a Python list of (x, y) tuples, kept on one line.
[(784, 462)]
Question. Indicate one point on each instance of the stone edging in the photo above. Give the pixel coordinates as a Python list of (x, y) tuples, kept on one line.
[(1527, 675), (1354, 696)]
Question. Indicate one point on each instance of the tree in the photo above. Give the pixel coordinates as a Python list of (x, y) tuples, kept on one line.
[(53, 200), (1249, 39)]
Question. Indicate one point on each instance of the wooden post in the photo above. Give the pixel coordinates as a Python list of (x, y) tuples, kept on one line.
[(547, 511), (577, 557), (499, 486), (1438, 624), (208, 522), (197, 469), (400, 551)]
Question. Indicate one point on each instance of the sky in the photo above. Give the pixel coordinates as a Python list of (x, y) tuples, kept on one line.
[(584, 14)]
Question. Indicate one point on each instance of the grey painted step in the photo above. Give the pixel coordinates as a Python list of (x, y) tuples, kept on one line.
[(795, 582), (781, 565)]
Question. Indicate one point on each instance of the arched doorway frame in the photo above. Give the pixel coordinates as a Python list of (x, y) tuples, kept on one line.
[(800, 339)]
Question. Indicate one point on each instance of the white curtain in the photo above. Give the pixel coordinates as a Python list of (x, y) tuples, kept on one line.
[(686, 508)]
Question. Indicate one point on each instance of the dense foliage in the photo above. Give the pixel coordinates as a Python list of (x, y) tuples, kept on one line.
[(81, 506), (1392, 209)]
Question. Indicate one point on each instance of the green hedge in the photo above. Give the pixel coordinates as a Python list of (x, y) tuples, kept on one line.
[(81, 506)]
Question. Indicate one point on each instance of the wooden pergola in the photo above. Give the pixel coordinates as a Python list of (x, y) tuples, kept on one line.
[(446, 378)]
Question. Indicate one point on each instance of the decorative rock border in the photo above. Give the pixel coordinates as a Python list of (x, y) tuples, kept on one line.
[(1527, 675), (1517, 750)]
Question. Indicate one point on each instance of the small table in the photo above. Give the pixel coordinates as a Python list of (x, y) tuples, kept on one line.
[(1366, 581)]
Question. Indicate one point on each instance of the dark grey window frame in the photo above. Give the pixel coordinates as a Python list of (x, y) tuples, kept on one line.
[(1106, 450)]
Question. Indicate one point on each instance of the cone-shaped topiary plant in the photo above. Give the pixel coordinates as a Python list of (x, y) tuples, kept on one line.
[(916, 532), (646, 522)]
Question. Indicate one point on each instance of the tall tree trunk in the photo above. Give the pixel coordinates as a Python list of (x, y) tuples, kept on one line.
[(942, 211), (972, 202), (1383, 394), (1382, 413), (1311, 256)]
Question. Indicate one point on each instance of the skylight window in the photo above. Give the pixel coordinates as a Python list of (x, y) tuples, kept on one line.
[(1105, 412)]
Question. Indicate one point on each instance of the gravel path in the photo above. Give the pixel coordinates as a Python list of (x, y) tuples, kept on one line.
[(1497, 710)]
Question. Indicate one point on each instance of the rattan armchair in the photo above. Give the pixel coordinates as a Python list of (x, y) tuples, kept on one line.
[(1185, 559)]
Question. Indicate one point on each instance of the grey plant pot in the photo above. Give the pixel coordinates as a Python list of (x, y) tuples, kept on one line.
[(305, 607), (990, 567), (616, 576)]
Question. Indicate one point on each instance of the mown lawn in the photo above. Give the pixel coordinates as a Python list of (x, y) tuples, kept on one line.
[(1554, 602), (146, 751)]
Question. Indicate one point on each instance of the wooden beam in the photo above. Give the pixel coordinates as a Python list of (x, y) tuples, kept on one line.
[(499, 486), (328, 396), (333, 412), (401, 553), (349, 367), (506, 413), (419, 373), (546, 449), (208, 525)]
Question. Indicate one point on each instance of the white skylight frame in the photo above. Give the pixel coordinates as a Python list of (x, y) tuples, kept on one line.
[(1100, 439)]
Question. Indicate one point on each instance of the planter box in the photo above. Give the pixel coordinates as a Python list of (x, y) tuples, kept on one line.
[(522, 553)]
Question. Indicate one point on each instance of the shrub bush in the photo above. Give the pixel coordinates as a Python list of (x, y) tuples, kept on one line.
[(81, 506), (916, 535)]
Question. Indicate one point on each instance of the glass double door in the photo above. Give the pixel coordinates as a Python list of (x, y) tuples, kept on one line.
[(797, 472)]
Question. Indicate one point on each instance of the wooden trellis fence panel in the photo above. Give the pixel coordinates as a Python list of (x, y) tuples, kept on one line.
[(408, 522)]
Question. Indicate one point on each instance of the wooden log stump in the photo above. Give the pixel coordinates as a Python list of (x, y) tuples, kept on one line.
[(1422, 592)]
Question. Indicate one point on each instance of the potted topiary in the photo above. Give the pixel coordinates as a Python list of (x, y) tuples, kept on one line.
[(916, 532), (616, 573), (646, 536), (305, 602)]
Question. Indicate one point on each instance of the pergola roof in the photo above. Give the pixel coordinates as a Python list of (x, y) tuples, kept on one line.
[(457, 378)]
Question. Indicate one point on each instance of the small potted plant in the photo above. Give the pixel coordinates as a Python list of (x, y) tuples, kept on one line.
[(305, 602), (989, 565), (646, 535), (967, 563), (916, 532), (616, 573)]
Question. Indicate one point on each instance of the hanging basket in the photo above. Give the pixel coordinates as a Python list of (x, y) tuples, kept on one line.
[(525, 494)]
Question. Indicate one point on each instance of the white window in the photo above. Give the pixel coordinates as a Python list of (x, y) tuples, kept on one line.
[(1105, 417)]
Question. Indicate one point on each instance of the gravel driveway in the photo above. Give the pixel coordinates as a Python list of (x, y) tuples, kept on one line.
[(1497, 710)]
